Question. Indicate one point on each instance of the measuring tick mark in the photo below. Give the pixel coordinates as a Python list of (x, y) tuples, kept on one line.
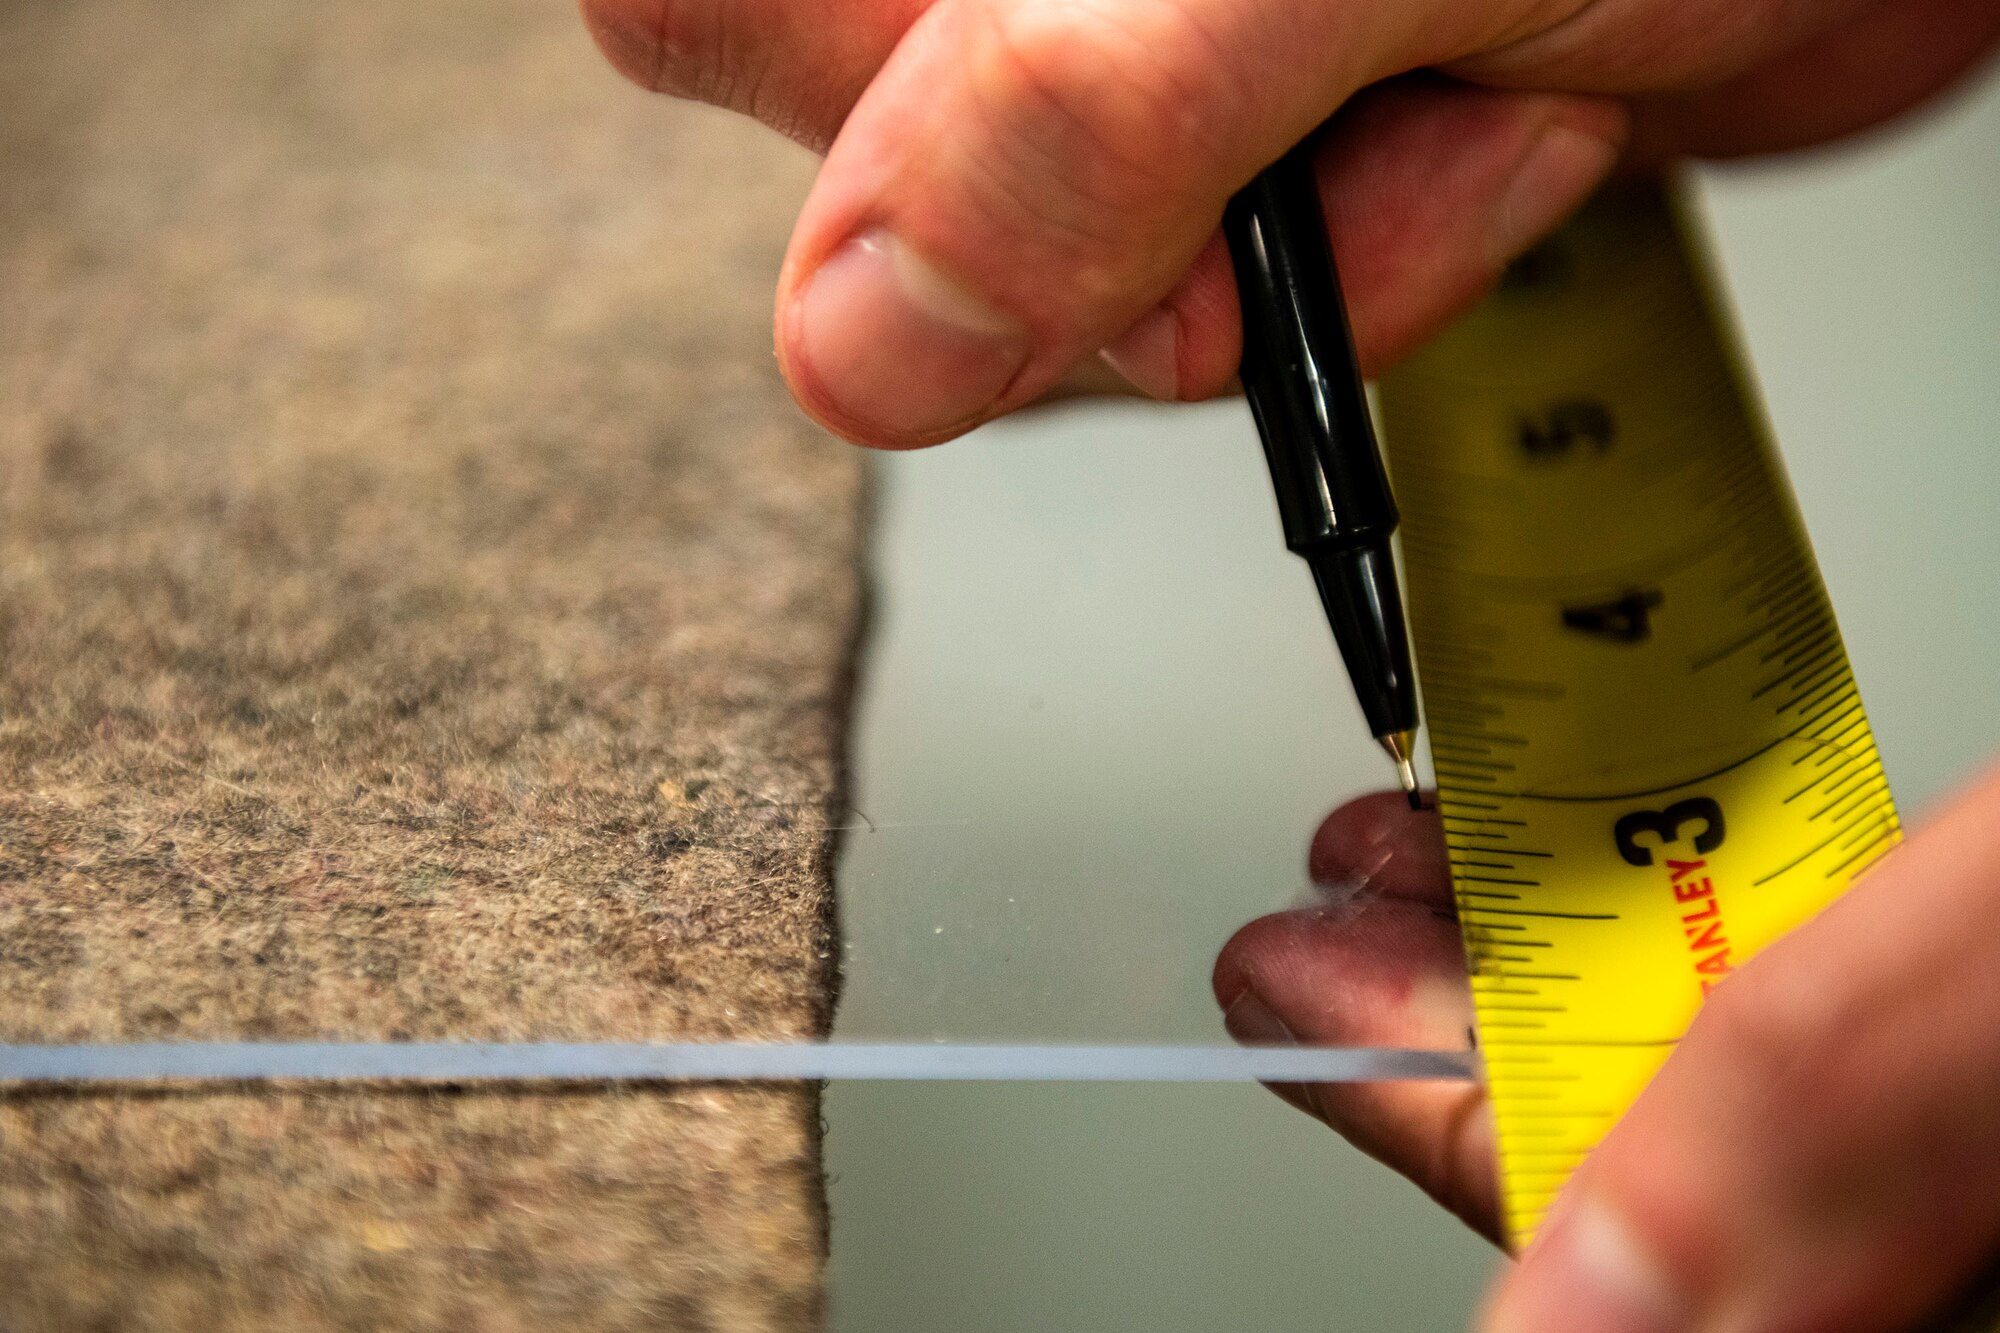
[(1797, 861), (1845, 805), (1845, 763), (1782, 648), (1631, 1042), (1785, 573), (1857, 823), (1844, 788), (1807, 684), (1825, 692), (1851, 692), (1834, 744), (1825, 732), (1879, 850), (1791, 672), (1708, 660), (1877, 780)]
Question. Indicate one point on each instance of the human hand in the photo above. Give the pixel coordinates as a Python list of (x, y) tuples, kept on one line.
[(1822, 1151), (1014, 184)]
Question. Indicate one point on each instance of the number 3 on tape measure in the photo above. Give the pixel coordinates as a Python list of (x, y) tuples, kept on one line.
[(1666, 825), (1651, 756)]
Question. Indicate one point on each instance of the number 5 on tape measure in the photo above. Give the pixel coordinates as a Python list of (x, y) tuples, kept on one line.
[(1651, 756)]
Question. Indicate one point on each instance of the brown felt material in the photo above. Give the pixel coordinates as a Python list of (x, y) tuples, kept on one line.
[(422, 615)]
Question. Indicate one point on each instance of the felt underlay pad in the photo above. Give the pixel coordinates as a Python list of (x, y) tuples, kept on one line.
[(422, 616)]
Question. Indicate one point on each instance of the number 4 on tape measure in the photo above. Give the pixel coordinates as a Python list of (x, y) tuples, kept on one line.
[(1651, 756)]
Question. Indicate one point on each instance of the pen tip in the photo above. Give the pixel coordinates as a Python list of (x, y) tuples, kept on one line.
[(1402, 746)]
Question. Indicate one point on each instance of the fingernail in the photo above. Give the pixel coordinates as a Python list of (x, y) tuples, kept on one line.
[(1249, 1020), (1588, 1274), (1555, 175), (897, 350), (1368, 853), (1148, 354)]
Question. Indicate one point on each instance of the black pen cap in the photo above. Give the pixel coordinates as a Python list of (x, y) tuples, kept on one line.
[(1298, 368)]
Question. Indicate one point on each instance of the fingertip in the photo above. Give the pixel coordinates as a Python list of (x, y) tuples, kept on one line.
[(1274, 960), (1571, 156), (1377, 972), (1268, 960), (1208, 326), (885, 349), (1390, 974), (1148, 354), (1606, 118), (1379, 842)]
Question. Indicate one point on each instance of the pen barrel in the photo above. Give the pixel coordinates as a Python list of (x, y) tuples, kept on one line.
[(1357, 587), (1298, 364)]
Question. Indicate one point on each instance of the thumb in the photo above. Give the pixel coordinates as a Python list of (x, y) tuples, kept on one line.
[(1026, 178)]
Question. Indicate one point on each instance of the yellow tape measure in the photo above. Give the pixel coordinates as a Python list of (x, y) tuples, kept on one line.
[(1651, 756)]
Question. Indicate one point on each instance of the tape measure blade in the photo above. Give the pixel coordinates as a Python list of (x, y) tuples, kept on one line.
[(1651, 756)]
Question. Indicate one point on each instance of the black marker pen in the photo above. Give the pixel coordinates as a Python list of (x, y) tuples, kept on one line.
[(1305, 390)]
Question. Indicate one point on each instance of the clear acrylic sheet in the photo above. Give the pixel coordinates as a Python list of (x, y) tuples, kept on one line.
[(1101, 715)]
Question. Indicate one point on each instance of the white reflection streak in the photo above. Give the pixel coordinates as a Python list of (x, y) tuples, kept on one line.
[(147, 1062)]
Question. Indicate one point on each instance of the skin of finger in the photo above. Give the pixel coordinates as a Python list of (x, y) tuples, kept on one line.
[(1378, 972), (1070, 168), (1625, 47), (781, 61), (992, 148), (1067, 162), (788, 63), (1823, 1150), (1876, 66), (1412, 173)]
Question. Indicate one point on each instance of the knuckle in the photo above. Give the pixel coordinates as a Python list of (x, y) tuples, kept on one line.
[(1110, 110)]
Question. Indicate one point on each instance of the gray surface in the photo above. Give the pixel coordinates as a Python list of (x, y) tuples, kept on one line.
[(1102, 717)]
